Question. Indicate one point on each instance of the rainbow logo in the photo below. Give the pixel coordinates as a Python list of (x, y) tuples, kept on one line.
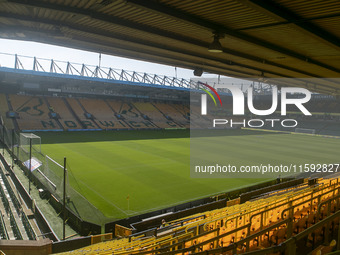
[(208, 92)]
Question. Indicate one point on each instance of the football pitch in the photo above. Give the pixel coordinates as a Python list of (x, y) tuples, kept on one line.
[(125, 173)]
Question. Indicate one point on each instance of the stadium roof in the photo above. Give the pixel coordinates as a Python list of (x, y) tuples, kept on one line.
[(260, 38)]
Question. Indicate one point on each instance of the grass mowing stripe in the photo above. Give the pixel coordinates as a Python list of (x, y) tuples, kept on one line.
[(152, 167)]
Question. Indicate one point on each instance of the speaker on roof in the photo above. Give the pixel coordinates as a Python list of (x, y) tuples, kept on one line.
[(198, 71)]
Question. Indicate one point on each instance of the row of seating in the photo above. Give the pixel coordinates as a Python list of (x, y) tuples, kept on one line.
[(57, 113), (3, 230), (13, 224), (8, 197), (254, 225), (33, 112), (61, 113)]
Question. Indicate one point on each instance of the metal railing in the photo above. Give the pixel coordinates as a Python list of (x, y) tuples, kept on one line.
[(20, 62)]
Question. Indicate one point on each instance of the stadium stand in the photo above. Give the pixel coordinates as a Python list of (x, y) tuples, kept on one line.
[(4, 109), (309, 213), (61, 113), (127, 112), (102, 114), (183, 109), (196, 119), (80, 113), (155, 115), (171, 113), (326, 106), (33, 113), (14, 224), (66, 118), (331, 128)]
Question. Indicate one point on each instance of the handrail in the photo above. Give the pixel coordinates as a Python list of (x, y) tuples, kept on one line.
[(230, 247), (279, 248), (327, 202), (155, 245), (282, 201), (311, 190), (186, 240), (285, 202), (311, 199), (3, 226)]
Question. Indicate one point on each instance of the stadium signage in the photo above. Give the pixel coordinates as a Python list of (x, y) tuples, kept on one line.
[(239, 106)]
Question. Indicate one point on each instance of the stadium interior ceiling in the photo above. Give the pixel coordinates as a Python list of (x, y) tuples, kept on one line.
[(259, 39)]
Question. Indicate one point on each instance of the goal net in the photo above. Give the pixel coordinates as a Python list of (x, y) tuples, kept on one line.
[(29, 143), (305, 131), (50, 174)]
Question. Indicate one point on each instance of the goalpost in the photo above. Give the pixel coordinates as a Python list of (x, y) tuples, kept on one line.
[(25, 142), (29, 153), (50, 173), (305, 131)]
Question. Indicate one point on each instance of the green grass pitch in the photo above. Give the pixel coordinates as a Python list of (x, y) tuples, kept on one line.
[(152, 167)]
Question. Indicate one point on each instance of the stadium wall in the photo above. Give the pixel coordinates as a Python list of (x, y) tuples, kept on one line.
[(26, 247), (70, 245)]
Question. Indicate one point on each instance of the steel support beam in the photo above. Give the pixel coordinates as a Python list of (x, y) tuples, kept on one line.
[(284, 14), (136, 41), (159, 32), (180, 15)]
